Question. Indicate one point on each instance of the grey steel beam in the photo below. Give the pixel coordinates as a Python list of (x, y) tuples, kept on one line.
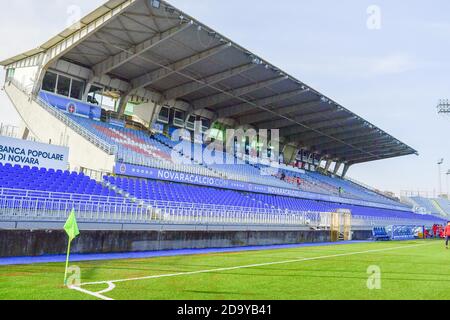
[(193, 86), (362, 159), (125, 56), (372, 149), (263, 103), (317, 143), (308, 137), (260, 119), (154, 76), (296, 129), (362, 138), (222, 97), (373, 144), (302, 118)]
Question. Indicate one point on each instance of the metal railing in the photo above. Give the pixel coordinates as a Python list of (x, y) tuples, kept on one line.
[(9, 193), (146, 161), (23, 208), (57, 210), (9, 130), (38, 208), (370, 222), (37, 194), (85, 133)]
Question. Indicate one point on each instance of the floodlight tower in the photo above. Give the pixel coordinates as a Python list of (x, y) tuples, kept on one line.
[(440, 162), (444, 107), (448, 192)]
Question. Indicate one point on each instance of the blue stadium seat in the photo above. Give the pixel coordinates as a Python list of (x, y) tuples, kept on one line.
[(150, 190), (16, 177)]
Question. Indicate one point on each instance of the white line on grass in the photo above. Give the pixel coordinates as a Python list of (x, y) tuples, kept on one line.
[(94, 294), (109, 282), (111, 287)]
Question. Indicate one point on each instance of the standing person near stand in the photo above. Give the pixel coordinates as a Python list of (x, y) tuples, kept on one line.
[(447, 234)]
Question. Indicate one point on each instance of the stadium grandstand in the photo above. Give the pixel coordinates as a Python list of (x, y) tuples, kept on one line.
[(111, 94), (424, 203)]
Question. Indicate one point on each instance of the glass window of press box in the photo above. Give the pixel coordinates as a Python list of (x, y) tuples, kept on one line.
[(63, 85)]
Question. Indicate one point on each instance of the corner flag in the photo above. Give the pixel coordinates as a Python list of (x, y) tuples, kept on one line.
[(71, 228)]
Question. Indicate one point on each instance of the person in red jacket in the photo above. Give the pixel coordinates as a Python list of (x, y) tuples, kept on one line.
[(435, 228), (447, 234)]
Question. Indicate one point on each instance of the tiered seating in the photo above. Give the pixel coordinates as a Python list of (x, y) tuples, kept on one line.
[(48, 195), (27, 178), (351, 190), (165, 140), (150, 190), (40, 185), (239, 170), (379, 212), (426, 204), (304, 182), (137, 147), (294, 204), (318, 183), (248, 173), (444, 204)]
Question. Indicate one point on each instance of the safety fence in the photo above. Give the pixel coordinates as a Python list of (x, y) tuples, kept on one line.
[(35, 207), (16, 207)]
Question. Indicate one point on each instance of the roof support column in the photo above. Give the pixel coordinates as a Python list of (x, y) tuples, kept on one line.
[(123, 104), (86, 91), (89, 85), (156, 110), (328, 165), (40, 73), (337, 167), (346, 167), (26, 133)]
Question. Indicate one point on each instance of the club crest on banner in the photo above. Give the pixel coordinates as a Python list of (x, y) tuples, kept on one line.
[(71, 107)]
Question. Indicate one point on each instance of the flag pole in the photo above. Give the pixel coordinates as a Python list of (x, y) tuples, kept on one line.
[(67, 262), (71, 228)]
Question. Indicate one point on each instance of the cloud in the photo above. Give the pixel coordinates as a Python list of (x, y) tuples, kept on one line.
[(392, 64), (350, 67)]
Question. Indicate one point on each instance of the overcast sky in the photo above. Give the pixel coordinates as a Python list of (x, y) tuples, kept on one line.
[(391, 71)]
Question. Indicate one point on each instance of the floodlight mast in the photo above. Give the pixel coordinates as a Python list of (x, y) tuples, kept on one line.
[(448, 192), (440, 162), (444, 107)]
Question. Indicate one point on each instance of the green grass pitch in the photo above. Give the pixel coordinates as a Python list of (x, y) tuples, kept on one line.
[(409, 270)]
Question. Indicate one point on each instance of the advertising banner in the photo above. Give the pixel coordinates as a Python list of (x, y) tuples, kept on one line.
[(72, 106), (33, 154), (194, 179)]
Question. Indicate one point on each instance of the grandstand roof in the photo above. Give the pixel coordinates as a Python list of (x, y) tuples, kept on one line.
[(152, 46)]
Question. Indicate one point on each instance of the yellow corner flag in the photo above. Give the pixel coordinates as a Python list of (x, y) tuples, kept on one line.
[(71, 228)]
